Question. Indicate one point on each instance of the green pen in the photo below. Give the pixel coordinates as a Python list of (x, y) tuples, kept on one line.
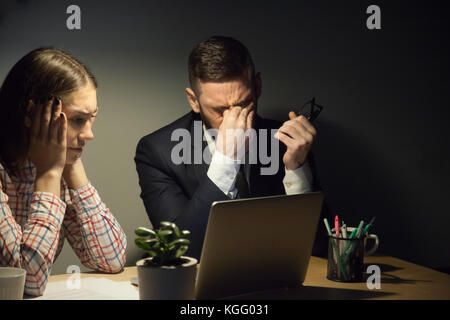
[(328, 227), (352, 235), (368, 226), (358, 233), (355, 233)]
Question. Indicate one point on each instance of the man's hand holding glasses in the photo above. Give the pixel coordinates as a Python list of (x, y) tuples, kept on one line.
[(298, 134)]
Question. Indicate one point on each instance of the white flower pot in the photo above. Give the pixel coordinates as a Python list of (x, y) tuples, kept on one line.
[(167, 282)]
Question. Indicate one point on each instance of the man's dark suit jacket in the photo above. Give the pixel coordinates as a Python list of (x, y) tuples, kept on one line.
[(183, 193)]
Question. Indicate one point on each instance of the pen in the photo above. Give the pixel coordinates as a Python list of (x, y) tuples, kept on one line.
[(338, 244), (328, 227), (358, 233), (333, 244), (336, 226), (344, 230), (368, 226), (352, 235)]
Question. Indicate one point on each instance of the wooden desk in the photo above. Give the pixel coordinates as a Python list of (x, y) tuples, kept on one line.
[(399, 280)]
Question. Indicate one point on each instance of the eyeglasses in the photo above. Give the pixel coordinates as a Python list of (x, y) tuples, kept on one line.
[(310, 110)]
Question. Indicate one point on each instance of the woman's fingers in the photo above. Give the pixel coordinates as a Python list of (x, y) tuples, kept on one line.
[(62, 132), (48, 143), (55, 123), (45, 118)]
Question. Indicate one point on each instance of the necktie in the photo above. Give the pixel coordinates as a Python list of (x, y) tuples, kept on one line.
[(241, 184)]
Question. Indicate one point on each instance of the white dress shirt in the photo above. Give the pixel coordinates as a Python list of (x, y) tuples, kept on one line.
[(223, 171)]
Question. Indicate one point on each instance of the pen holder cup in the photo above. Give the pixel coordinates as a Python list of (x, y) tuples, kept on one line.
[(374, 237), (345, 259)]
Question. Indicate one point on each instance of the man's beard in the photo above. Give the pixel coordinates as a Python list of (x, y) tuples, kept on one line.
[(204, 119)]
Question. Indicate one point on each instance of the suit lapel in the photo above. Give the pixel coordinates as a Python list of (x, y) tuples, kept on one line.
[(198, 144)]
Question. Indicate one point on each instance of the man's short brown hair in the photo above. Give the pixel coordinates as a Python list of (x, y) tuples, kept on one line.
[(220, 58)]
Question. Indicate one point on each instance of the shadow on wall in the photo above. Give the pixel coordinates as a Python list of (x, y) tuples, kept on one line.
[(356, 181)]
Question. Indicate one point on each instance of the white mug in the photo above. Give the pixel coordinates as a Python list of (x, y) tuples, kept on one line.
[(12, 283)]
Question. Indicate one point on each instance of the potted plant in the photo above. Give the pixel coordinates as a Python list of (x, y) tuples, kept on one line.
[(166, 274)]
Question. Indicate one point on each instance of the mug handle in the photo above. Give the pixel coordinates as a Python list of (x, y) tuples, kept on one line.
[(375, 245)]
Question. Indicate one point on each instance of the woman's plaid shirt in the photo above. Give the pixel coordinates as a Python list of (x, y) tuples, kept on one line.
[(33, 226)]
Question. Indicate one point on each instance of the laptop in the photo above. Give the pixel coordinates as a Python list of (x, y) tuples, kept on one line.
[(257, 244)]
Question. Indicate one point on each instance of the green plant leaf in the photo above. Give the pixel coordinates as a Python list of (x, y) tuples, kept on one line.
[(181, 250), (165, 245), (168, 224), (157, 245), (153, 243), (172, 226), (141, 243), (177, 232), (153, 253), (144, 232), (179, 242), (146, 242), (164, 235)]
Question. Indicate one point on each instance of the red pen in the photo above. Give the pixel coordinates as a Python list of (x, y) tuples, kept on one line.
[(336, 226)]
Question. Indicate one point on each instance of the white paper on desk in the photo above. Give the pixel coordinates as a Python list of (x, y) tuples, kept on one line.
[(91, 289)]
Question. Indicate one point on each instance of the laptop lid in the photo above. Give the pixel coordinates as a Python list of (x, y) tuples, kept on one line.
[(258, 243)]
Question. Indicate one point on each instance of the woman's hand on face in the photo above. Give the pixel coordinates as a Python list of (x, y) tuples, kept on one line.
[(48, 133), (75, 175)]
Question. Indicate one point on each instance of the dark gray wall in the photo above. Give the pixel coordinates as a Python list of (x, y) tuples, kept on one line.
[(381, 149)]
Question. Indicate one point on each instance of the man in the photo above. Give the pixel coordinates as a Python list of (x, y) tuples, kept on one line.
[(223, 96)]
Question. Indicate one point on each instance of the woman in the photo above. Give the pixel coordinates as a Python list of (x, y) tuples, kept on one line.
[(48, 105)]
